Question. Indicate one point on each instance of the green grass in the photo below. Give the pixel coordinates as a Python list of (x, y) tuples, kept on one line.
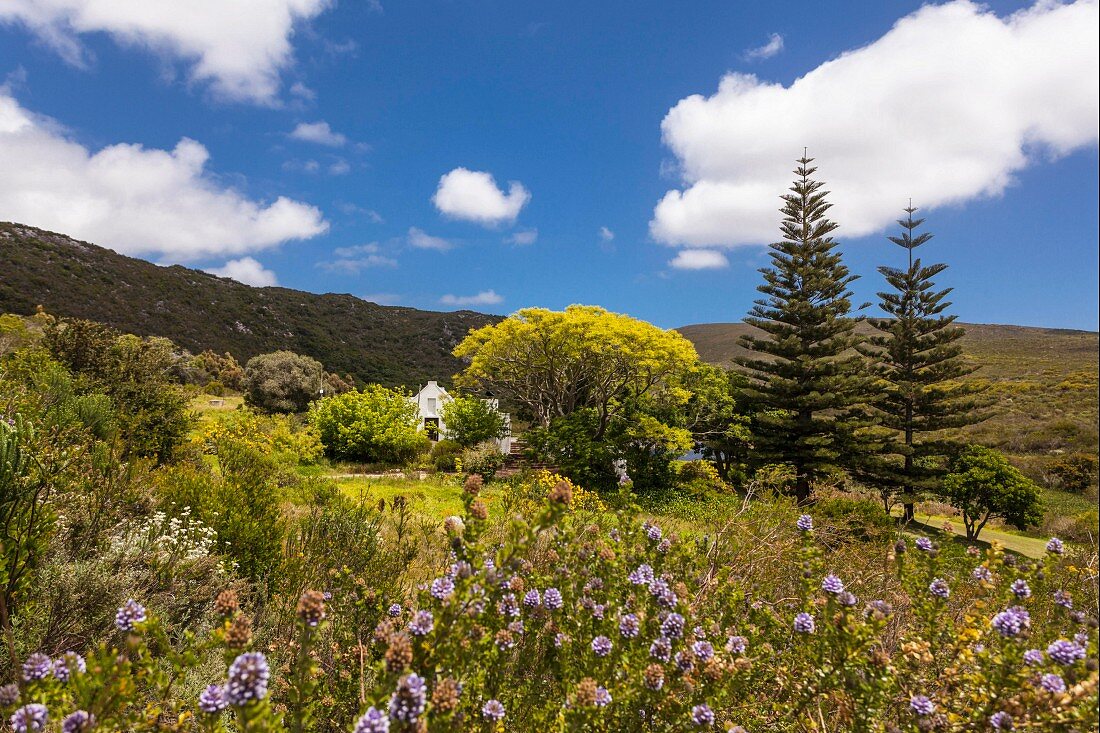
[(434, 497), (1030, 546)]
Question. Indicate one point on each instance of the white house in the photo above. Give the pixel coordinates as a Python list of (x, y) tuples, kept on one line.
[(429, 402)]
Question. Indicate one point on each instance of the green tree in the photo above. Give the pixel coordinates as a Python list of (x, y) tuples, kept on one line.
[(720, 425), (809, 384), (919, 358), (470, 421), (375, 425), (282, 381), (984, 485)]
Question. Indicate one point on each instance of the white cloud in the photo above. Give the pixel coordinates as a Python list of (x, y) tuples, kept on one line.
[(769, 49), (485, 297), (352, 260), (248, 271), (339, 167), (474, 196), (523, 237), (239, 47), (606, 234), (946, 107), (422, 240), (320, 133), (136, 200), (698, 259)]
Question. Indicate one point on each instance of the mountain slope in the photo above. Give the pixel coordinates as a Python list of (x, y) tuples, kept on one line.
[(196, 310), (1043, 381)]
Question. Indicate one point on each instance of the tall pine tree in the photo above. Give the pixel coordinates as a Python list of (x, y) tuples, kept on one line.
[(810, 385), (919, 357)]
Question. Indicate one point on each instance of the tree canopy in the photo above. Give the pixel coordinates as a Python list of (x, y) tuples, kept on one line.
[(984, 485)]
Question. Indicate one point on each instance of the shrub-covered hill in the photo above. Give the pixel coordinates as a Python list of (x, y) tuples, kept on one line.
[(198, 311), (1043, 381)]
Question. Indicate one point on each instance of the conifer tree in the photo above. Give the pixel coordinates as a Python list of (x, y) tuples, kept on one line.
[(809, 383), (919, 358)]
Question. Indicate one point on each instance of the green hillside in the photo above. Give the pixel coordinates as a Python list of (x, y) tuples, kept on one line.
[(1043, 380), (196, 310)]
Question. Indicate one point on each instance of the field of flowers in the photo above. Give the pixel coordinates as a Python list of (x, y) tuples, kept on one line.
[(565, 619)]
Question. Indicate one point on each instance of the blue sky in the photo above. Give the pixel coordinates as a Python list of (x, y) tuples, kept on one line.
[(630, 192)]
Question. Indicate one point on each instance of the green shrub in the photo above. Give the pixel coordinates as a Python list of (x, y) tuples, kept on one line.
[(484, 459), (373, 425), (698, 479), (282, 381), (1073, 472), (984, 485), (850, 518), (445, 455), (470, 421)]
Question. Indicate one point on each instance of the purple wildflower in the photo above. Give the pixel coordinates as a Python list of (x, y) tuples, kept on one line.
[(507, 606), (9, 694), (1011, 622), (673, 626), (921, 705), (551, 599), (665, 596), (29, 718), (408, 700), (736, 644), (1063, 599), (683, 661), (248, 677), (37, 667), (422, 623), (1020, 588), (982, 573), (212, 699), (601, 646), (703, 650), (847, 598), (1055, 546), (394, 610), (129, 614), (68, 663), (493, 710), (654, 533), (1052, 683), (832, 584), (78, 721), (372, 721), (661, 649), (939, 588), (603, 697), (1033, 657), (532, 599), (641, 575), (442, 588), (664, 545), (805, 523), (923, 543), (804, 623), (1065, 652), (629, 626), (702, 716), (1000, 721)]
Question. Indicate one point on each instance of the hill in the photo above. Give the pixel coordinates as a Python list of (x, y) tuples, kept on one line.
[(198, 311), (1044, 381)]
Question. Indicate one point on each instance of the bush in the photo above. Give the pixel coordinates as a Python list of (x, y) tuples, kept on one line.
[(1073, 472), (470, 421), (848, 518), (282, 381), (373, 425), (983, 485), (280, 436), (698, 479), (484, 459), (445, 455)]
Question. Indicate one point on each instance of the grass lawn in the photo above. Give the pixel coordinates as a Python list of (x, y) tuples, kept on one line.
[(434, 497), (1030, 546)]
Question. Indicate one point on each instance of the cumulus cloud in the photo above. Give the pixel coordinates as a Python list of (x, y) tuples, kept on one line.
[(524, 237), (422, 240), (240, 48), (485, 297), (246, 270), (698, 259), (353, 260), (474, 196), (320, 133), (947, 106), (769, 49), (136, 200)]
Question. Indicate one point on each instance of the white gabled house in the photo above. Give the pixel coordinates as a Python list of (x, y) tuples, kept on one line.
[(429, 402)]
